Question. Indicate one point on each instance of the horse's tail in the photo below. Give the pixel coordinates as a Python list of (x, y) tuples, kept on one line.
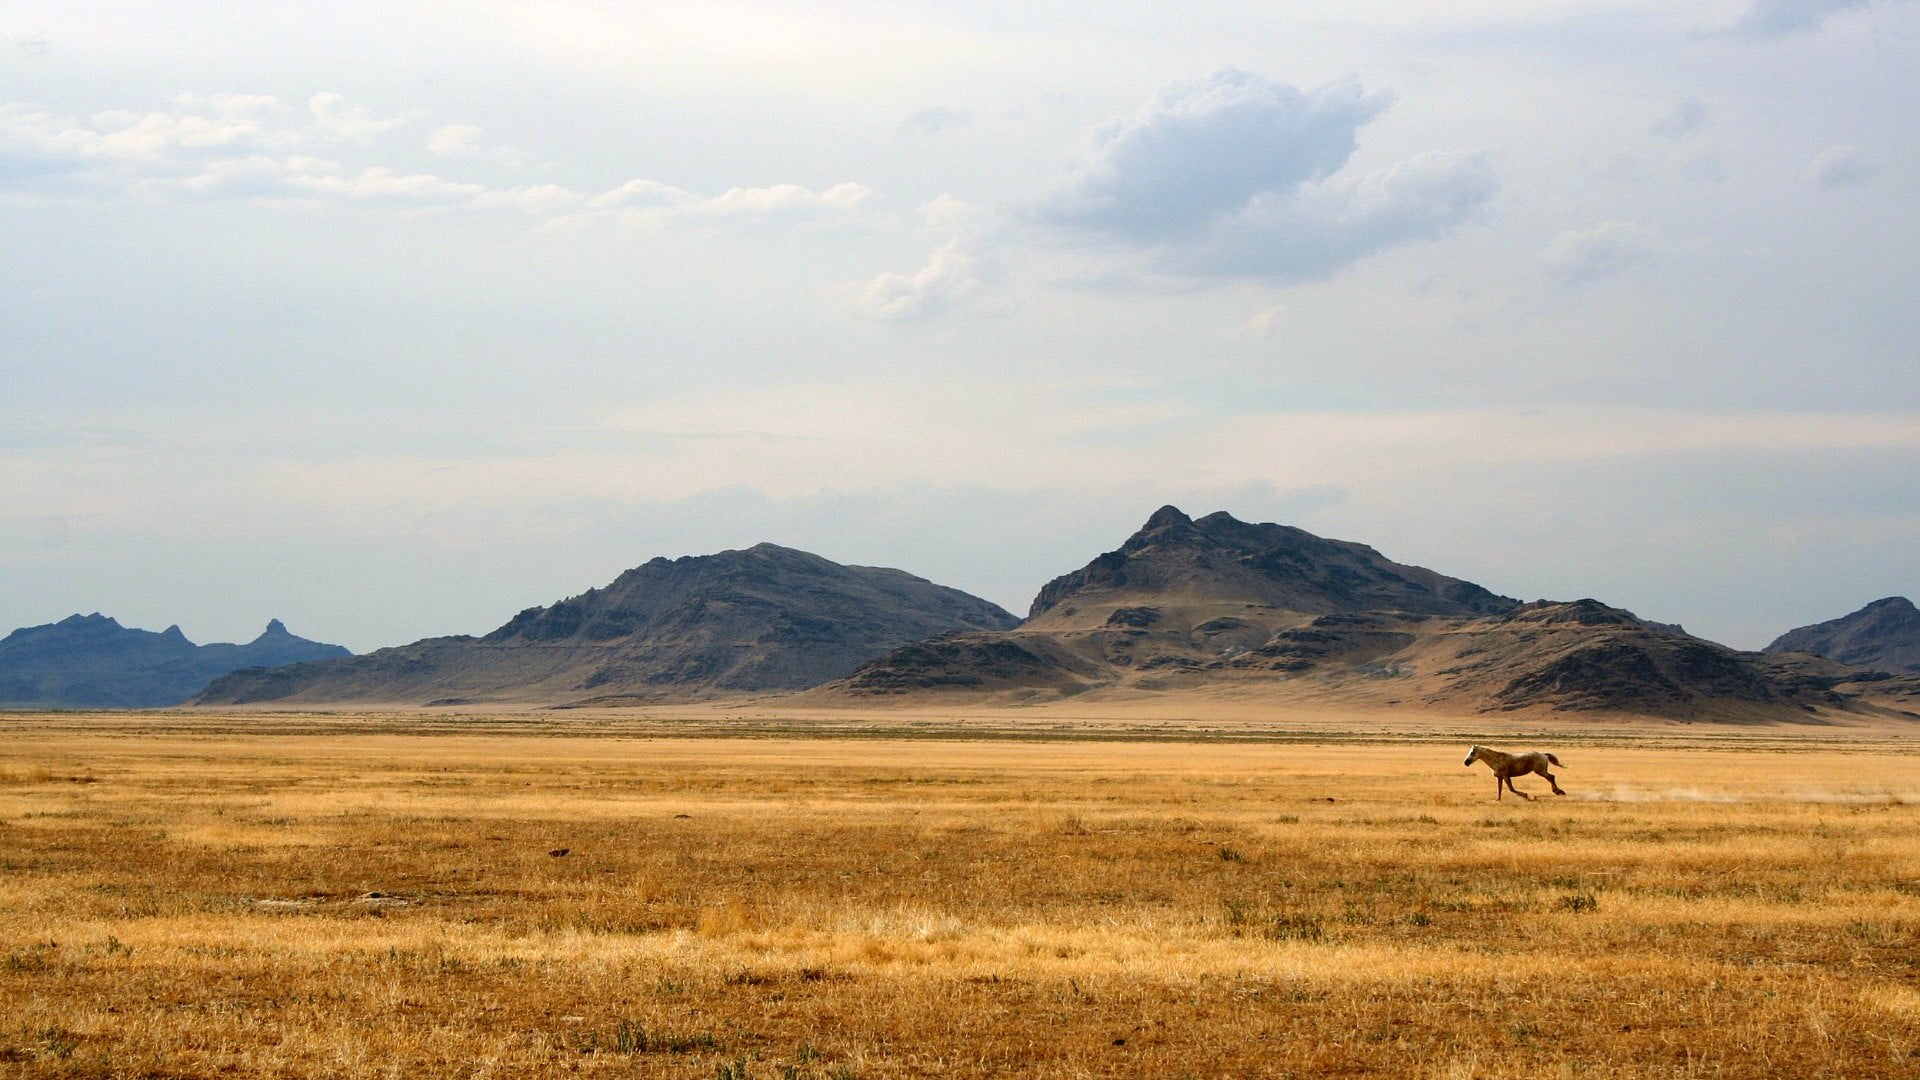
[(1555, 760)]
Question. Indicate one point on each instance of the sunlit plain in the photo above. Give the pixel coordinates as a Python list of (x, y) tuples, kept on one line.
[(244, 896)]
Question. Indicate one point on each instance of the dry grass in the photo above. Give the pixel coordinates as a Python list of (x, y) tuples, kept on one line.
[(374, 904)]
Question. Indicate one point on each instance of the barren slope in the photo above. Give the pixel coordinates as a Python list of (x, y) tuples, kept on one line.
[(767, 618), (1884, 635)]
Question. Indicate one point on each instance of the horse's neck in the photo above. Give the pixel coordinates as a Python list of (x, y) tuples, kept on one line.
[(1496, 758)]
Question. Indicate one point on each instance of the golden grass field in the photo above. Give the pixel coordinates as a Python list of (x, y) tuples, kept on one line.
[(195, 896)]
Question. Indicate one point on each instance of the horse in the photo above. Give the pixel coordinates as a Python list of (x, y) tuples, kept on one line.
[(1507, 766)]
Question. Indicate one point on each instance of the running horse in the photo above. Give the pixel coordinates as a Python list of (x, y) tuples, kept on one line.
[(1507, 766)]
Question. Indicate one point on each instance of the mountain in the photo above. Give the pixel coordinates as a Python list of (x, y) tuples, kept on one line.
[(766, 618), (1216, 604), (1220, 560), (91, 661), (1884, 635)]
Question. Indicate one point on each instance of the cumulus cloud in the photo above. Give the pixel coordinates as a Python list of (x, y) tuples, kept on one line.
[(340, 119), (1779, 18), (1266, 323), (645, 203), (1309, 232), (1581, 256), (781, 200), (1202, 149), (300, 180), (256, 148), (199, 126), (1837, 166), (378, 184), (960, 270), (640, 195), (949, 277), (454, 140), (1236, 174)]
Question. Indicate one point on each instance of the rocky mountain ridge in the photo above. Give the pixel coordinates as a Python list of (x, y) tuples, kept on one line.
[(767, 618), (1884, 636), (91, 661), (1220, 559), (1212, 603), (1189, 605)]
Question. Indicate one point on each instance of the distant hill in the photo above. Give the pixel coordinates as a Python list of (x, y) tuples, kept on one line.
[(1219, 604), (91, 661), (1884, 635), (763, 619)]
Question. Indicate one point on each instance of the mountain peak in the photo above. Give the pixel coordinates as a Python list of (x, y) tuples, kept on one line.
[(1220, 559), (1164, 517)]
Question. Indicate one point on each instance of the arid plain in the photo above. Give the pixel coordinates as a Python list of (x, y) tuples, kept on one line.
[(714, 892)]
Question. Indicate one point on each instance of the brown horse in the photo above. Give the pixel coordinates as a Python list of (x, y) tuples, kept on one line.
[(1507, 766)]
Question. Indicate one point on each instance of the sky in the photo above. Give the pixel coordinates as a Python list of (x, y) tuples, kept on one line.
[(390, 320)]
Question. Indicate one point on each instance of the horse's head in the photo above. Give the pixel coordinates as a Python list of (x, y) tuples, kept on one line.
[(1473, 755)]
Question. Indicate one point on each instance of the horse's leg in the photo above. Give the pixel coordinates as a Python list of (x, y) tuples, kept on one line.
[(1517, 791), (1555, 784), (1497, 793)]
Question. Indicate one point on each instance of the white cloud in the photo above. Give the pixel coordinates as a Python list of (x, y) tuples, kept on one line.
[(646, 203), (1311, 231), (960, 270), (1266, 323), (1580, 256), (454, 140), (33, 141), (1837, 166), (640, 195), (1202, 149), (250, 147), (347, 122), (782, 200), (254, 177), (1235, 174), (1230, 175), (951, 276), (378, 184)]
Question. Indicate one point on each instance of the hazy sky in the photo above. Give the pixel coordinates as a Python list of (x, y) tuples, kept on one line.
[(392, 319)]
